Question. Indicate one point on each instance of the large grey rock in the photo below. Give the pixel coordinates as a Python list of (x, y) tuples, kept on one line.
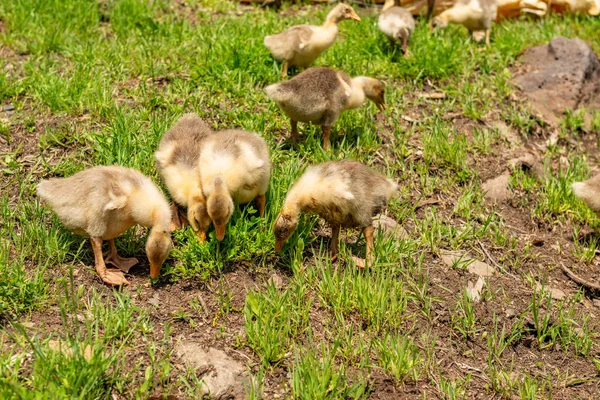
[(224, 378), (561, 75)]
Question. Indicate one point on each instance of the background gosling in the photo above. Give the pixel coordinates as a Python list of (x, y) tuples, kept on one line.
[(397, 24), (301, 45)]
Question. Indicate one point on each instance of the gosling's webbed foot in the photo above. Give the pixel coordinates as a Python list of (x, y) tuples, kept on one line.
[(124, 264), (114, 277)]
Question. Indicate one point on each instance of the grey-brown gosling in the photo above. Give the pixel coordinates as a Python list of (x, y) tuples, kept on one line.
[(319, 95), (589, 192), (235, 169), (177, 160), (475, 15), (396, 23), (344, 193), (300, 45), (102, 203)]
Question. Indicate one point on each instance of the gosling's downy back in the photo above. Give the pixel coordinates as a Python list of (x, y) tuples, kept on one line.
[(241, 159), (181, 144), (105, 201), (343, 192)]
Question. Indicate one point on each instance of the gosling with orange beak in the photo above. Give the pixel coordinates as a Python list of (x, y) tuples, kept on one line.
[(177, 161), (104, 202), (344, 193), (234, 169), (320, 95)]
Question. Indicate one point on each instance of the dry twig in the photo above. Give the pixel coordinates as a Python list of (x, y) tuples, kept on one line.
[(578, 279)]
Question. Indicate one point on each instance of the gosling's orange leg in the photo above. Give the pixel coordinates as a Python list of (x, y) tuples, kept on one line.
[(112, 277), (261, 200), (335, 238), (487, 37), (326, 134), (124, 264), (368, 232), (285, 69)]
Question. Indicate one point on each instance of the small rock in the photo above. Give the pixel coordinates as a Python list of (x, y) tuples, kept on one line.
[(555, 293), (224, 379), (496, 189), (597, 302), (474, 291), (457, 259), (510, 312), (9, 107), (154, 300), (387, 226), (481, 269)]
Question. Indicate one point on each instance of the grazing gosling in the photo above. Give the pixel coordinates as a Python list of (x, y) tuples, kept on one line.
[(344, 193), (234, 169), (102, 203), (301, 45), (177, 161), (589, 192), (319, 95), (397, 24), (475, 15)]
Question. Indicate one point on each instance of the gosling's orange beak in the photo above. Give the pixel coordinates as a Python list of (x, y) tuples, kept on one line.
[(220, 231), (201, 235), (279, 245), (154, 271), (354, 16)]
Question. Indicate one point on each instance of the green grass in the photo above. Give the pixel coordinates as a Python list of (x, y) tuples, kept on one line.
[(98, 83)]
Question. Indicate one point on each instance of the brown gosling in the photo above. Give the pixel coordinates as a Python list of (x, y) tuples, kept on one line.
[(319, 95), (344, 193), (397, 24), (104, 202)]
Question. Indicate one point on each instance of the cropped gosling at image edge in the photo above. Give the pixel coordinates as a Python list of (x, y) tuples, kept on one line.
[(104, 202), (344, 193), (589, 192), (235, 169), (301, 45), (319, 95), (177, 161)]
